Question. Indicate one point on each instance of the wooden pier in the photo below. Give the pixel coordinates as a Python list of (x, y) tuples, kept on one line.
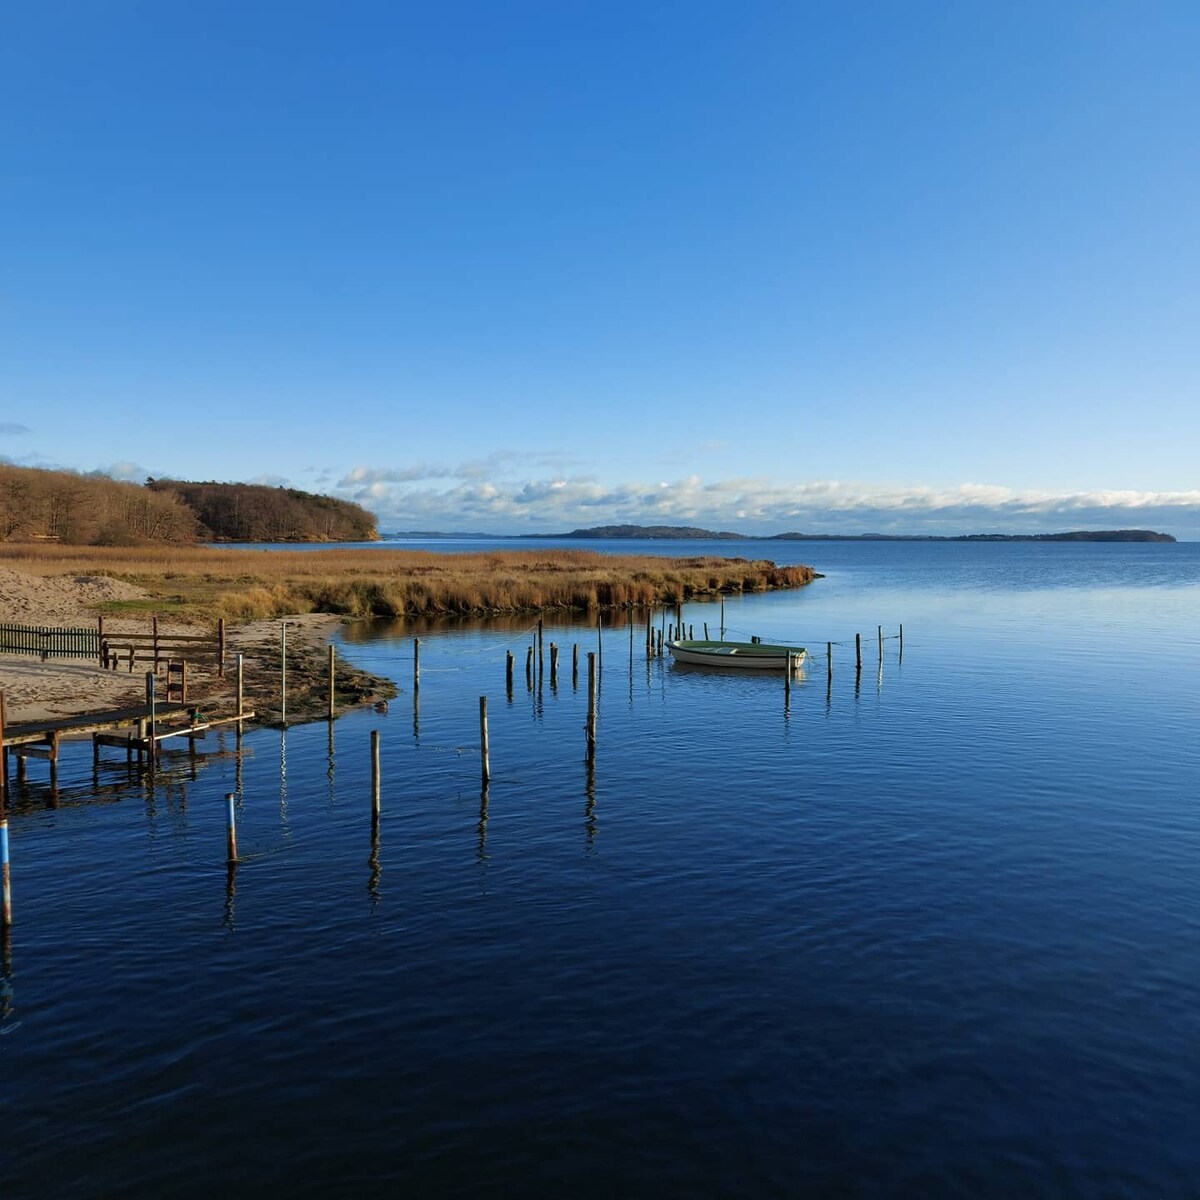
[(146, 728)]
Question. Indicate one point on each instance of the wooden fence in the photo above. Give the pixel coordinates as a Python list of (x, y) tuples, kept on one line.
[(126, 649), (48, 642)]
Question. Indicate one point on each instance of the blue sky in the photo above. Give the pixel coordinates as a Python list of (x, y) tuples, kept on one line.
[(906, 267)]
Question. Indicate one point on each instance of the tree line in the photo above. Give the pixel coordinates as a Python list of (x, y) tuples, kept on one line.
[(96, 510)]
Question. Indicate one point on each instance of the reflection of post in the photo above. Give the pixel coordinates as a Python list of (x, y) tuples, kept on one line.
[(6, 973), (481, 852), (589, 806), (230, 893), (417, 715), (283, 810), (329, 771), (416, 663), (374, 864), (591, 709), (787, 683)]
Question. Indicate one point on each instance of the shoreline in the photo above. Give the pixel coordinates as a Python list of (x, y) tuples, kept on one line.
[(36, 690)]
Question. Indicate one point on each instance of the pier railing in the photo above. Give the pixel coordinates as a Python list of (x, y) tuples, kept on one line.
[(48, 642)]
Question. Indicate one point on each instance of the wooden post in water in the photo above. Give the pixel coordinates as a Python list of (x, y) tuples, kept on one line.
[(858, 651), (829, 657), (529, 667), (541, 651), (880, 628), (706, 631), (152, 705), (650, 632), (484, 763), (374, 776), (221, 648), (901, 643), (5, 872), (660, 637), (283, 671), (332, 659), (574, 664), (416, 663), (787, 680), (230, 829), (591, 709), (554, 664), (508, 671)]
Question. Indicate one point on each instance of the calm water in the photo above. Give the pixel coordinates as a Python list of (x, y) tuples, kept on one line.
[(931, 932)]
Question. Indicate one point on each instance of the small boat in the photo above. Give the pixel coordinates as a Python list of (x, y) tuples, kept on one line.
[(760, 656)]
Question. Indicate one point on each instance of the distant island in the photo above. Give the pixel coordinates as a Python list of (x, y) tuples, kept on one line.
[(684, 532)]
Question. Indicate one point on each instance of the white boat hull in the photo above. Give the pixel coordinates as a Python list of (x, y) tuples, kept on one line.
[(752, 656)]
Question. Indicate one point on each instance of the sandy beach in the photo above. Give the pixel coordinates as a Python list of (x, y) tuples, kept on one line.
[(34, 690)]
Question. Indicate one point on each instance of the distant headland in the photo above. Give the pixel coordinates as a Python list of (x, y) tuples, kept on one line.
[(684, 532)]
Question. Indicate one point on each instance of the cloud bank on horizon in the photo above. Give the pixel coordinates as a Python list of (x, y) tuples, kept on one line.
[(450, 499)]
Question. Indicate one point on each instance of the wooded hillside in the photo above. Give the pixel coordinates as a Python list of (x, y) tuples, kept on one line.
[(94, 510), (87, 510), (250, 512)]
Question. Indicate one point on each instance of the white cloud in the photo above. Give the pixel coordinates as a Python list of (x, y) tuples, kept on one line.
[(411, 498)]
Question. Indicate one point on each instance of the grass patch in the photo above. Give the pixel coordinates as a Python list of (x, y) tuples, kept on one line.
[(204, 583)]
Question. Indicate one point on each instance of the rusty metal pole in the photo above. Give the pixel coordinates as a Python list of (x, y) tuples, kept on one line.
[(230, 828)]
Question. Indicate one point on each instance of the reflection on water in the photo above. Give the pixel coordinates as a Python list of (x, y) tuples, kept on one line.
[(942, 938)]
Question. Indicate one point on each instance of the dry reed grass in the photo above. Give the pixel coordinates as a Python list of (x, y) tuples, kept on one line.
[(205, 582)]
